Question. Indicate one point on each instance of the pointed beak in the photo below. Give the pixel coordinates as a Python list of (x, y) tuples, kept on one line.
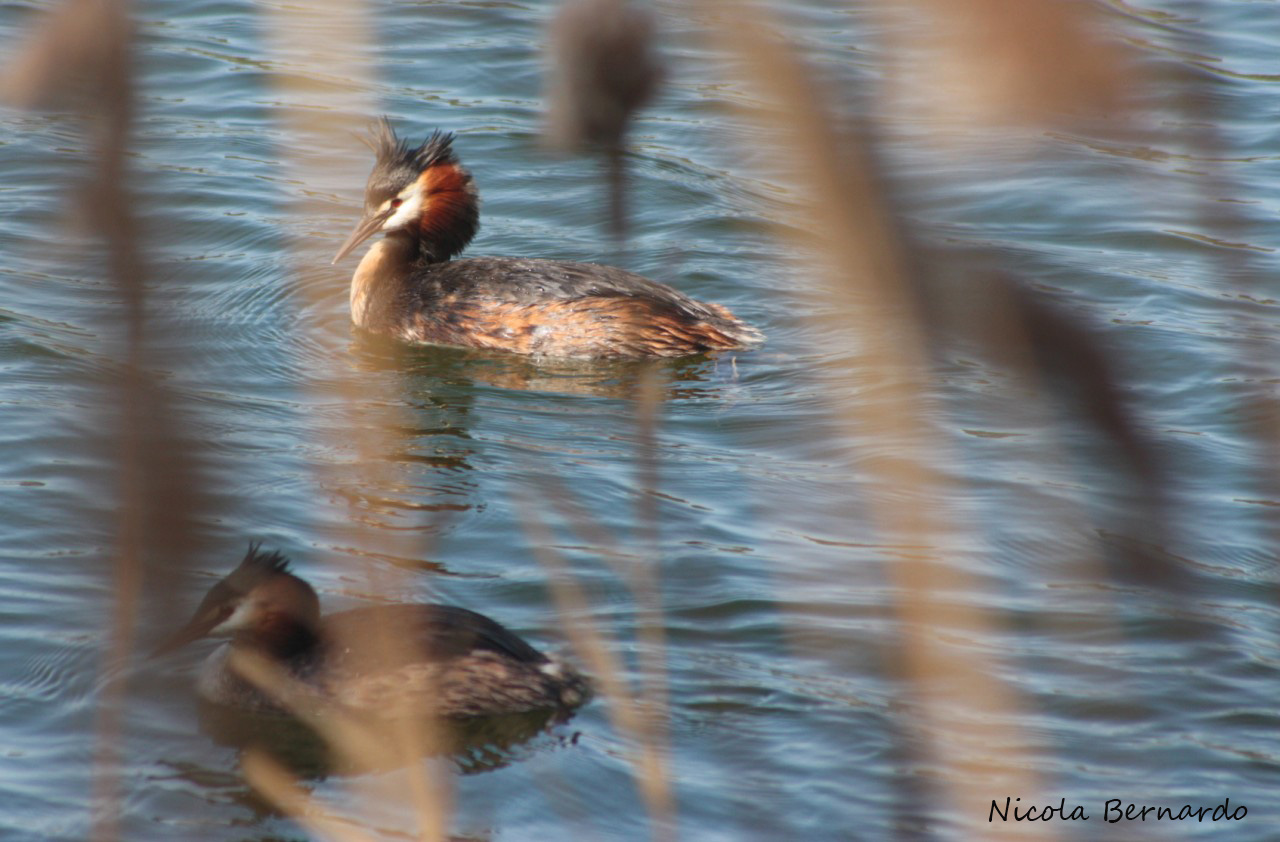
[(370, 225), (200, 625)]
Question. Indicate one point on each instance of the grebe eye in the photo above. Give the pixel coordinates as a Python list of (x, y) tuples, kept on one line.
[(395, 203)]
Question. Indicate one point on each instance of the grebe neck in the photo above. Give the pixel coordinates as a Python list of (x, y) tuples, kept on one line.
[(381, 275)]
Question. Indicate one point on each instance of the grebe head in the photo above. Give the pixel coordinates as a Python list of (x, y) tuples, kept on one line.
[(260, 604), (417, 191)]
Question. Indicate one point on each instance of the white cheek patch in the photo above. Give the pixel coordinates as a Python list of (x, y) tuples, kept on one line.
[(408, 211), (241, 618)]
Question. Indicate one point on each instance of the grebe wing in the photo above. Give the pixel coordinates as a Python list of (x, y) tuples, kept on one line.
[(421, 632), (531, 280), (563, 309)]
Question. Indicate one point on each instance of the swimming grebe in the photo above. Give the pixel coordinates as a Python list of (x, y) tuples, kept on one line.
[(409, 286), (386, 660)]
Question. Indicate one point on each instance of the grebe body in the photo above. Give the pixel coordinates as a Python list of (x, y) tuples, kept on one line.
[(410, 286), (388, 661)]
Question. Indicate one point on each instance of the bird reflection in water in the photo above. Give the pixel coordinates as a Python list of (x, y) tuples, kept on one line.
[(444, 375), (472, 745)]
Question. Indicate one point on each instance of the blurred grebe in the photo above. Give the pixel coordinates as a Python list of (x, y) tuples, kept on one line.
[(409, 286), (386, 660)]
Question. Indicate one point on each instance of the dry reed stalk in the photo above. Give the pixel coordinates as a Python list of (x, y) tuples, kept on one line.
[(281, 788), (323, 41), (640, 716), (77, 52), (645, 584), (635, 716), (81, 58), (967, 713), (603, 69), (1043, 63), (356, 741), (1032, 61)]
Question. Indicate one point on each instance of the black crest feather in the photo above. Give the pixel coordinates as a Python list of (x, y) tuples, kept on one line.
[(256, 566), (394, 153)]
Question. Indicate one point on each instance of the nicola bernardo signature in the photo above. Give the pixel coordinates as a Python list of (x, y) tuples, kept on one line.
[(1113, 810)]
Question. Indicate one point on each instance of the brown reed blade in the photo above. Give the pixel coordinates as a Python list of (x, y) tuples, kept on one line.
[(1031, 61), (81, 58), (326, 40), (275, 783), (629, 712), (964, 710), (363, 743)]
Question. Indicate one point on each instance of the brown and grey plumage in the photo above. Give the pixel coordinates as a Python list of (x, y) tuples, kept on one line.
[(397, 660), (409, 285)]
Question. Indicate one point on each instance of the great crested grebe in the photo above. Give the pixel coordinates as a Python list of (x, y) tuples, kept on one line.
[(388, 661), (409, 286)]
